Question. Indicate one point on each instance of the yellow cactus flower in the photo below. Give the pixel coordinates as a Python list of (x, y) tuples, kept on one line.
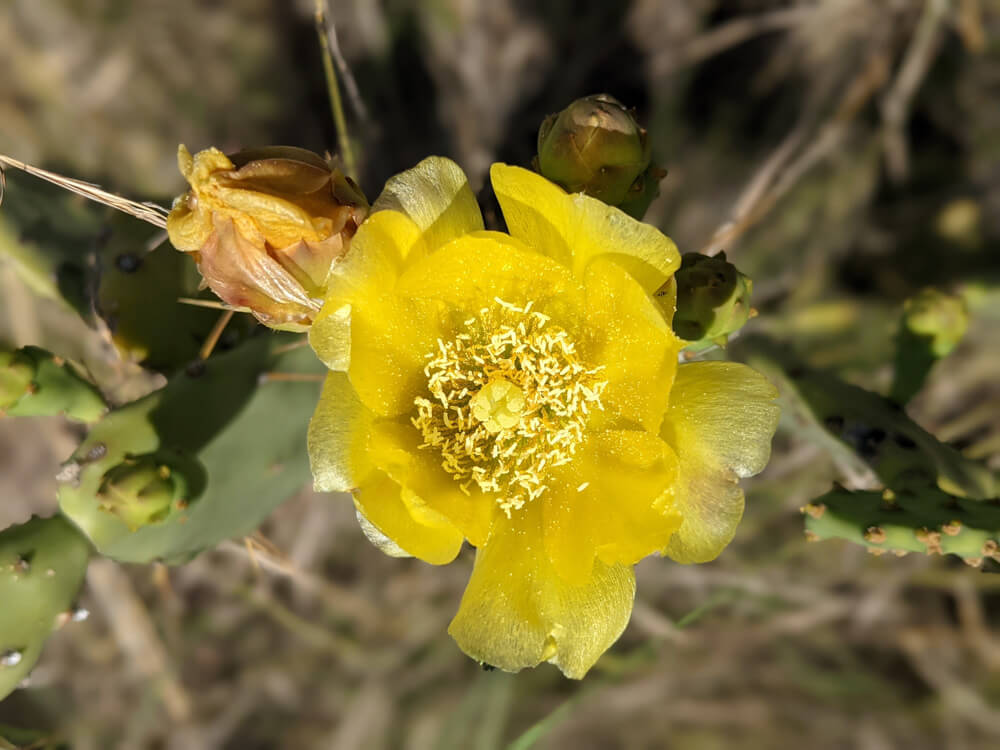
[(521, 392), (265, 226)]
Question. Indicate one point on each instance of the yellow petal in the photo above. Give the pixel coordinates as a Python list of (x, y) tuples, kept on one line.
[(330, 335), (381, 338), (390, 341), (429, 537), (365, 274), (609, 502), (575, 229), (470, 272), (436, 195), (338, 437), (629, 337), (720, 422), (517, 612), (394, 447)]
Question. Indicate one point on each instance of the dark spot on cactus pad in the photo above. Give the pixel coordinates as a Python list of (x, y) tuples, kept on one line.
[(195, 369), (903, 441), (834, 423), (128, 262)]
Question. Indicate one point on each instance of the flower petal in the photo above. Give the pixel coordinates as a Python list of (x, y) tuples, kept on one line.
[(394, 447), (436, 195), (363, 276), (518, 612), (470, 272), (720, 422), (390, 340), (406, 520), (628, 336), (575, 229), (338, 437), (609, 503), (381, 337), (240, 274)]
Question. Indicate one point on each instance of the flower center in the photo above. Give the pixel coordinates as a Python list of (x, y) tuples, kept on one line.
[(508, 400), (498, 405)]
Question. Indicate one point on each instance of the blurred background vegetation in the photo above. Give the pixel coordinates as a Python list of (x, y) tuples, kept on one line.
[(844, 153)]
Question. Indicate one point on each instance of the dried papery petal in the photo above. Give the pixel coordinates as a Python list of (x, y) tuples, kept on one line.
[(265, 227)]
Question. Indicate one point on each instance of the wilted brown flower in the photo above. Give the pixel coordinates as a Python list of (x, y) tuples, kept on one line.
[(265, 226)]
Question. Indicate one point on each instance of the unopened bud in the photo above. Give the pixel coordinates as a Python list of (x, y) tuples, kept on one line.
[(713, 298), (595, 146), (16, 373), (141, 490), (265, 227), (938, 317)]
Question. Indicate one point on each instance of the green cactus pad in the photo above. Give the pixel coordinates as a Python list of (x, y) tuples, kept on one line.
[(42, 564), (865, 427), (901, 453), (236, 446), (55, 387), (137, 299), (926, 521), (48, 233)]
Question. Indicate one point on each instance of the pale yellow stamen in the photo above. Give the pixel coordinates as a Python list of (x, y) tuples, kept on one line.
[(508, 400)]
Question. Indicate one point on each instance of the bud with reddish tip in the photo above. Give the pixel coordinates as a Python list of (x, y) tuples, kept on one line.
[(265, 226), (595, 146)]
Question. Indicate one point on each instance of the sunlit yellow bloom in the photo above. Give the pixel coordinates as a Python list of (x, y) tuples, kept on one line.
[(521, 391)]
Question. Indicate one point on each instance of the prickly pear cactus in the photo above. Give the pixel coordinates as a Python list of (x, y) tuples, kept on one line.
[(42, 564), (926, 520), (139, 286), (901, 453), (204, 459), (34, 382), (876, 431), (49, 235)]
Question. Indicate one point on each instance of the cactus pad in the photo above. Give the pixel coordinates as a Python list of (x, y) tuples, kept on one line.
[(233, 449), (926, 521), (42, 563)]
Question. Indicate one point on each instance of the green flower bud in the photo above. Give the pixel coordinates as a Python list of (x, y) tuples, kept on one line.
[(713, 299), (595, 146), (940, 318), (142, 490), (16, 373)]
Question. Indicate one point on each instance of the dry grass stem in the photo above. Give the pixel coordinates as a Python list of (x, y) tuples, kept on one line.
[(148, 212)]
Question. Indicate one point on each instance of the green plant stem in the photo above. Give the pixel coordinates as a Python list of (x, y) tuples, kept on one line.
[(333, 89)]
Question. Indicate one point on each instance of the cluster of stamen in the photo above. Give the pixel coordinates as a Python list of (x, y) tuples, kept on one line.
[(508, 400)]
